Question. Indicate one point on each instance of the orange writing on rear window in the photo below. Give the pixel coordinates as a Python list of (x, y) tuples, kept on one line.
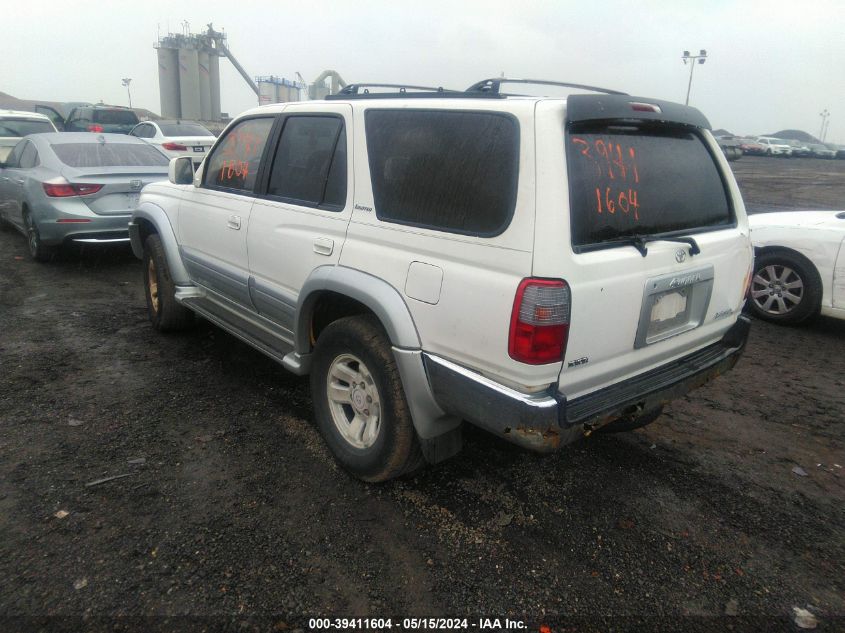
[(616, 163)]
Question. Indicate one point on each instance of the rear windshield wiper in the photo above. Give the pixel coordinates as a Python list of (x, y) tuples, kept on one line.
[(639, 242)]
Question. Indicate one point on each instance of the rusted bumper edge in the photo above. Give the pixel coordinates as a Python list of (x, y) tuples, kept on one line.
[(546, 421)]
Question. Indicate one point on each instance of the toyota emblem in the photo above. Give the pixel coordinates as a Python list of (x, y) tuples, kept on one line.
[(680, 255)]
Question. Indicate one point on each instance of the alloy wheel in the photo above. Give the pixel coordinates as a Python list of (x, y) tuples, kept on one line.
[(354, 401), (777, 289)]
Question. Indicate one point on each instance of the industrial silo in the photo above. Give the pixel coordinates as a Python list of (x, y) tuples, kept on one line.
[(168, 83), (189, 83), (204, 85), (214, 81)]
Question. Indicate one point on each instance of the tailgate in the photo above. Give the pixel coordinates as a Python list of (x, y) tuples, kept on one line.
[(655, 243)]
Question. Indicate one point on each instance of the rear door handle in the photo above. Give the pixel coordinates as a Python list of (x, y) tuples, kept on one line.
[(234, 222)]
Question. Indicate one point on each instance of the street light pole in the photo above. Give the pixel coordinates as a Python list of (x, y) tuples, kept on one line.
[(701, 57), (825, 115), (126, 81)]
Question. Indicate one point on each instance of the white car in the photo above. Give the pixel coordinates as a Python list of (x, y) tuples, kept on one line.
[(177, 138), (15, 124), (799, 268), (775, 146)]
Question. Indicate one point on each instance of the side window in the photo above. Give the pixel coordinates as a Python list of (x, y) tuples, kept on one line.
[(454, 171), (29, 156), (309, 166), (234, 161), (145, 131)]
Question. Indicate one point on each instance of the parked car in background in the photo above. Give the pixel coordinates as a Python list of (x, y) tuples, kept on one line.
[(750, 147), (15, 124), (176, 138), (799, 149), (818, 150), (798, 257), (774, 146), (448, 270), (92, 118), (80, 187)]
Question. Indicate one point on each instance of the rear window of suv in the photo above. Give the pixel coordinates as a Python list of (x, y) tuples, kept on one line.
[(115, 117), (454, 171), (628, 181)]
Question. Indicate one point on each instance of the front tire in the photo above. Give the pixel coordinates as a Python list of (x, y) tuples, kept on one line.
[(785, 288), (165, 313), (39, 251), (359, 402)]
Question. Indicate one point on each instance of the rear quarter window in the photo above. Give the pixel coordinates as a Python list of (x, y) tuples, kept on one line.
[(453, 171), (626, 181)]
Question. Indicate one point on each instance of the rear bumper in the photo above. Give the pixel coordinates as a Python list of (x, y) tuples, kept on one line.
[(98, 229), (547, 420)]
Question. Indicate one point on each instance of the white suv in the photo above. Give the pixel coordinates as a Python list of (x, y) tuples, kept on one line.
[(539, 267), (775, 146), (15, 124)]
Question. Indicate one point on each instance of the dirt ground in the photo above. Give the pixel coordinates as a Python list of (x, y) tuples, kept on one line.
[(230, 514)]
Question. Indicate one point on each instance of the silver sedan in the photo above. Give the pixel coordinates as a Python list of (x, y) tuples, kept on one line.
[(78, 187)]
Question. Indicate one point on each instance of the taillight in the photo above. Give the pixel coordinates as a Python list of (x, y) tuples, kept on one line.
[(174, 147), (540, 321), (95, 127), (66, 190)]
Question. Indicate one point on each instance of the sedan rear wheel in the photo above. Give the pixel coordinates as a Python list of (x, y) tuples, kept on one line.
[(37, 249)]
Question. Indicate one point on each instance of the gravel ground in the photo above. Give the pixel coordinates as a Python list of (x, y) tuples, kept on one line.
[(229, 513)]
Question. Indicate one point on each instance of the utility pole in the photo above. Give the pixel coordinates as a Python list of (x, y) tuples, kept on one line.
[(126, 81), (701, 57)]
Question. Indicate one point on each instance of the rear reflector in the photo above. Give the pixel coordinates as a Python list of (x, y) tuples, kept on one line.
[(67, 190), (174, 147), (540, 321), (94, 127)]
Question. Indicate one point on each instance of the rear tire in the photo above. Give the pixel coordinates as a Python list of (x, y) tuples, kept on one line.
[(165, 313), (624, 424), (785, 288), (359, 402), (39, 251)]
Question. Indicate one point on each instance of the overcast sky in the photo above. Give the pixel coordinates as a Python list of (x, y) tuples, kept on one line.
[(771, 65)]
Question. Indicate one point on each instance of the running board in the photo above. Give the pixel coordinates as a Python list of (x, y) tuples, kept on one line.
[(194, 298)]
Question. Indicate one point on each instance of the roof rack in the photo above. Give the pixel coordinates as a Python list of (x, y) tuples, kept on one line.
[(493, 86), (404, 91), (354, 89)]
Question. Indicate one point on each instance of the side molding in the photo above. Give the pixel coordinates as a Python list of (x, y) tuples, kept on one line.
[(379, 296), (156, 216)]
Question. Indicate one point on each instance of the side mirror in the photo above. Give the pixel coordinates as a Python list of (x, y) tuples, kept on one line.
[(181, 171)]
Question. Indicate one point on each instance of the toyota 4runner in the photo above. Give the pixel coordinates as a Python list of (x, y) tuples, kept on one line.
[(539, 267)]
